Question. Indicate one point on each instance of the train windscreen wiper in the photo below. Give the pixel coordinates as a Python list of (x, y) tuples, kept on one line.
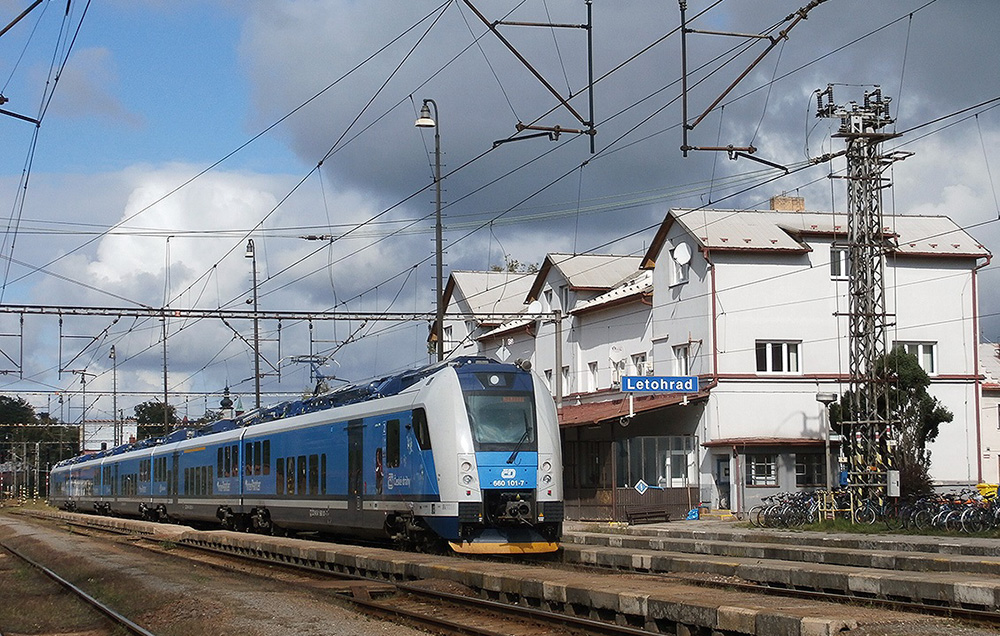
[(517, 447)]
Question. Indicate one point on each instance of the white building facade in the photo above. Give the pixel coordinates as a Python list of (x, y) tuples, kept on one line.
[(761, 305)]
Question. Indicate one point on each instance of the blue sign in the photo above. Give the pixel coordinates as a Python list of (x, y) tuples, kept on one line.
[(660, 384)]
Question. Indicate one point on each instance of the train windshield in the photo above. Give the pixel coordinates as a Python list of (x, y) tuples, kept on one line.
[(502, 422)]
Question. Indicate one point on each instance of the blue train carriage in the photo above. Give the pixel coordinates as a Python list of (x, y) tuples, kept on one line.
[(500, 465)]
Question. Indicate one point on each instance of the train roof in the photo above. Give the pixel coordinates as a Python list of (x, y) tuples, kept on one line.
[(342, 396)]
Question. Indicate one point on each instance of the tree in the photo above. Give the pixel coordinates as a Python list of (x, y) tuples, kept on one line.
[(149, 418), (915, 413), (515, 266), (30, 444), (15, 410)]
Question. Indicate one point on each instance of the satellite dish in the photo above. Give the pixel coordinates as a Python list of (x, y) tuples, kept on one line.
[(616, 354), (682, 254), (534, 308)]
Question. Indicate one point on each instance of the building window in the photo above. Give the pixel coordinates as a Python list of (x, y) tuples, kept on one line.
[(761, 470), (680, 259), (564, 298), (547, 300), (548, 379), (446, 333), (839, 263), (565, 380), (809, 470), (777, 356), (681, 362), (592, 369), (667, 461), (926, 353), (639, 366)]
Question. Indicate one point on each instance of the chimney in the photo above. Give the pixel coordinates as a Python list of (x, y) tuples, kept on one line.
[(788, 204)]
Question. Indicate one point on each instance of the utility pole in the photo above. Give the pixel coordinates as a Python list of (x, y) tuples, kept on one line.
[(869, 432)]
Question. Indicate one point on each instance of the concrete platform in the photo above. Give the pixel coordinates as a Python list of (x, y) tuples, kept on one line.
[(663, 605), (882, 567)]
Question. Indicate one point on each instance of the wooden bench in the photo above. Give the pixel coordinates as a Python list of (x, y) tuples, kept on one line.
[(636, 513)]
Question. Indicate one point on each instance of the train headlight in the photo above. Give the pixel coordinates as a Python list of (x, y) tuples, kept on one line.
[(467, 479), (546, 479), (546, 466), (466, 467)]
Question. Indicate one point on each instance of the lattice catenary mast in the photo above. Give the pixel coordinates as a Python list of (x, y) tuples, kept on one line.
[(869, 430)]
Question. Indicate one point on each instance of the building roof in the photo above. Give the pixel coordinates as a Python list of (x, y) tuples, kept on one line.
[(989, 362), (489, 292), (781, 231), (638, 285), (616, 408), (754, 442), (596, 272)]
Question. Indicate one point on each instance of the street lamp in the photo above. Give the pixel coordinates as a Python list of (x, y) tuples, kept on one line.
[(826, 399), (426, 121), (251, 254), (117, 434)]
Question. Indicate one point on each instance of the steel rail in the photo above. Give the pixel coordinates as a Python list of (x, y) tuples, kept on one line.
[(590, 626), (115, 617)]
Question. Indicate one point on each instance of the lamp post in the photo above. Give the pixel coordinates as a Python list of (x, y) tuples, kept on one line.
[(252, 255), (826, 399), (426, 121), (117, 434)]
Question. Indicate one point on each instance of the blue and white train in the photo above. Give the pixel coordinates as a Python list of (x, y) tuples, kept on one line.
[(466, 451)]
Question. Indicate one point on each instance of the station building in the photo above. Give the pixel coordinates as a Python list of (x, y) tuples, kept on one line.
[(754, 303)]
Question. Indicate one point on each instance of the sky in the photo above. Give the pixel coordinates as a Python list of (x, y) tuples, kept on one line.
[(171, 132)]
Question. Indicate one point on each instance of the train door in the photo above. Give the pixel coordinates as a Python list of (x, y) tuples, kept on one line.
[(355, 474), (172, 478)]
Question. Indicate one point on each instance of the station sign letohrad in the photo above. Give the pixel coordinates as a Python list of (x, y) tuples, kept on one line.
[(660, 384)]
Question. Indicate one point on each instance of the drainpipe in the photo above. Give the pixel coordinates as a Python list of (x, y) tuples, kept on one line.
[(975, 362)]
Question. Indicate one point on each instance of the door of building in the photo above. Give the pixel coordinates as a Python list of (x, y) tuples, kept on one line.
[(722, 481)]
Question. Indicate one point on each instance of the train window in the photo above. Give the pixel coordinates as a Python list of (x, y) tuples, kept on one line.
[(248, 459), (302, 474), (256, 458), (211, 481), (279, 480), (225, 461), (290, 475), (314, 474), (266, 458), (420, 430), (392, 444), (187, 479), (322, 473)]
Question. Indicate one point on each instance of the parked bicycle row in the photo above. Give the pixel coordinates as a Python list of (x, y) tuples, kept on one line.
[(968, 511)]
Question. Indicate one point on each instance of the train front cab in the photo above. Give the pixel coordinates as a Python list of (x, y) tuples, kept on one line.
[(514, 471)]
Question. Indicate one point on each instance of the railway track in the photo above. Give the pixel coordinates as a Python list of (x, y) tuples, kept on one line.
[(117, 619), (417, 605)]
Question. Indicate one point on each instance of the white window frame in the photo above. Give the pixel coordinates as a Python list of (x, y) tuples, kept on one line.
[(639, 363), (566, 380), (767, 476), (678, 271), (840, 263), (922, 349), (682, 359), (592, 369), (790, 352)]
